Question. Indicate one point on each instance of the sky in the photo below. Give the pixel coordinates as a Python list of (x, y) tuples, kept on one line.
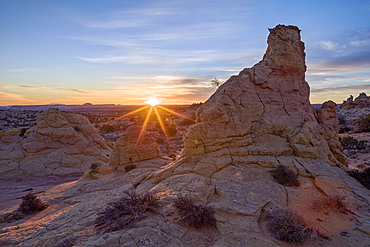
[(127, 51)]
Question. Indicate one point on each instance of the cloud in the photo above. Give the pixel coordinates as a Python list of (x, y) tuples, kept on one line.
[(31, 86), (59, 88), (39, 70), (331, 46), (360, 87), (13, 99)]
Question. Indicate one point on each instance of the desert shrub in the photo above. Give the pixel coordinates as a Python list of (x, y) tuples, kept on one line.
[(125, 211), (341, 120), (30, 204), (94, 166), (129, 167), (362, 176), (348, 142), (332, 203), (9, 217), (172, 131), (160, 140), (106, 128), (187, 122), (344, 129), (285, 176), (22, 132), (286, 225), (364, 123), (77, 128), (194, 215)]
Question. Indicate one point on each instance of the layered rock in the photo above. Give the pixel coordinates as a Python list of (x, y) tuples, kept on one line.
[(59, 144), (255, 122)]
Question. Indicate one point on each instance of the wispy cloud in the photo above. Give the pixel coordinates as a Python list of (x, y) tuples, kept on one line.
[(12, 99), (331, 46), (361, 87), (39, 70), (59, 88)]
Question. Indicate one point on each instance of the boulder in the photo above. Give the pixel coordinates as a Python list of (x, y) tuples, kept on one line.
[(59, 144)]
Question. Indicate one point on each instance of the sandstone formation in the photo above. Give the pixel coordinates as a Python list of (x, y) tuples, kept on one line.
[(59, 144), (362, 101), (255, 122), (132, 147)]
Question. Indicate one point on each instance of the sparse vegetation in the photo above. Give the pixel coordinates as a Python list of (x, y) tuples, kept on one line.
[(364, 123), (332, 203), (285, 176), (286, 225), (216, 83), (23, 131), (194, 215), (30, 204), (160, 140), (106, 128), (350, 143), (362, 176), (125, 211), (172, 131)]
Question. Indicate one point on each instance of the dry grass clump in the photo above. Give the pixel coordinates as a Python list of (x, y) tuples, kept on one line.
[(332, 203), (286, 225), (194, 215), (285, 176), (30, 204), (126, 210)]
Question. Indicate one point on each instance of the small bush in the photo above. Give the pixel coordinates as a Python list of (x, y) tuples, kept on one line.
[(106, 128), (286, 225), (194, 215), (362, 176), (348, 142), (187, 122), (23, 131), (125, 211), (364, 123), (332, 203), (172, 131), (30, 204), (285, 176), (160, 140), (77, 128)]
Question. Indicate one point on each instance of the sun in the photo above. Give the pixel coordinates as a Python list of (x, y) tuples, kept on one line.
[(152, 102)]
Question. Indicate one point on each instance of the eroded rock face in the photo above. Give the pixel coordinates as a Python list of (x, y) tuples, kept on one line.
[(59, 144), (134, 146), (254, 122)]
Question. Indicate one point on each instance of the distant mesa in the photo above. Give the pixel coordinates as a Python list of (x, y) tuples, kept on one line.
[(87, 104)]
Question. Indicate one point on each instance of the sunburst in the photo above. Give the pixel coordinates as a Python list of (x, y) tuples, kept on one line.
[(153, 107)]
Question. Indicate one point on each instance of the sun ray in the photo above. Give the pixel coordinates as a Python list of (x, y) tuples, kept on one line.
[(173, 112), (145, 124), (132, 112), (161, 124)]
